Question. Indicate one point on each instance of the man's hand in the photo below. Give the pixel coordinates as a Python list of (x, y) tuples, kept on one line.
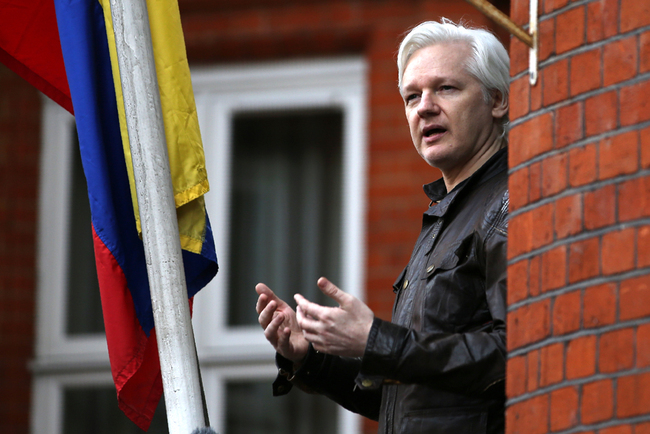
[(340, 331), (280, 325)]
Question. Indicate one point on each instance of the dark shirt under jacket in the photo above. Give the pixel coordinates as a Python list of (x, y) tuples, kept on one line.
[(439, 365)]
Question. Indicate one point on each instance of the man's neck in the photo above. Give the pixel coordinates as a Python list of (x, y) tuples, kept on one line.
[(452, 178)]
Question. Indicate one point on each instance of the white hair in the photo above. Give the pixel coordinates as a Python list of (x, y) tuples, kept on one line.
[(488, 62)]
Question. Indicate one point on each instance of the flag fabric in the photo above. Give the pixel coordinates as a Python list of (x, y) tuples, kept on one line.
[(29, 46), (93, 87)]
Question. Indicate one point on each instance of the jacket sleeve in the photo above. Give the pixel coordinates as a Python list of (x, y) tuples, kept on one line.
[(467, 362), (331, 376)]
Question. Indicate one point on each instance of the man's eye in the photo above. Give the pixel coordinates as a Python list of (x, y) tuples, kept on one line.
[(410, 98), (446, 88)]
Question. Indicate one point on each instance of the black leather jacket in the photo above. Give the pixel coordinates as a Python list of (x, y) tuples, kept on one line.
[(439, 366)]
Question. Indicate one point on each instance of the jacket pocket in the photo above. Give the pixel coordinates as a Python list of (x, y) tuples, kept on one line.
[(445, 421)]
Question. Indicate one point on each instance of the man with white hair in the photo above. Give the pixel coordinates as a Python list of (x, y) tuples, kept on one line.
[(439, 365)]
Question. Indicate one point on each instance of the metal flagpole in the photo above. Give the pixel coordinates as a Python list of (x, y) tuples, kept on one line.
[(178, 361)]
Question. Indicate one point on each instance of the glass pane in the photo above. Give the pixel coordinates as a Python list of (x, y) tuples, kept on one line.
[(285, 206), (84, 309), (251, 409), (94, 410)]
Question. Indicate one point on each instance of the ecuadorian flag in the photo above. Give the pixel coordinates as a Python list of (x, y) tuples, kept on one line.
[(88, 53)]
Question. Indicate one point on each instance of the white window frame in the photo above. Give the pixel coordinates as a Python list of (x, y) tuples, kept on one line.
[(60, 360), (54, 348), (221, 92)]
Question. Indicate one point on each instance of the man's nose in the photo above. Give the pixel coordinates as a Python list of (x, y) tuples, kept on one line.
[(428, 106)]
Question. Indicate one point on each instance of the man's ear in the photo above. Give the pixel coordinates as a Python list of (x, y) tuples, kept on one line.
[(500, 105)]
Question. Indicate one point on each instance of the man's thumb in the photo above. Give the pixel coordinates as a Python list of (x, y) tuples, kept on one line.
[(331, 290)]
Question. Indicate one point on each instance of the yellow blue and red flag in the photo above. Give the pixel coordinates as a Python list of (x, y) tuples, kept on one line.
[(89, 86)]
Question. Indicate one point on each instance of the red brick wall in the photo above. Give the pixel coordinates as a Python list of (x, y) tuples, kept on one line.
[(19, 153), (579, 276)]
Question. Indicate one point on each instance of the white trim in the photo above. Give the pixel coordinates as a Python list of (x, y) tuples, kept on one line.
[(52, 344), (47, 403)]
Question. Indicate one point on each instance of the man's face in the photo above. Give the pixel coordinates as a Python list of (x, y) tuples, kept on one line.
[(451, 124)]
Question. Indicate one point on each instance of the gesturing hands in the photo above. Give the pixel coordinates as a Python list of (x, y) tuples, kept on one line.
[(341, 331), (280, 325)]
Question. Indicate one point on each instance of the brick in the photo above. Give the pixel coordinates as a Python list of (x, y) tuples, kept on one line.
[(519, 12), (519, 98), (581, 357), (566, 313), (634, 298), (582, 165), (633, 395), (554, 174), (644, 142), (551, 364), (553, 268), (528, 324), (518, 57), (620, 429), (528, 417), (533, 364), (517, 281), (616, 350), (600, 207), (535, 182), (516, 374), (542, 225), (618, 155), (520, 230), (584, 260), (534, 276), (536, 97), (635, 106), (599, 305), (644, 52), (568, 216), (568, 124), (602, 20), (643, 246), (601, 113), (570, 29), (643, 346), (531, 138), (642, 428), (634, 14), (555, 82), (518, 185), (586, 71), (619, 60), (618, 253), (597, 402), (635, 191), (564, 408), (546, 39), (551, 5)]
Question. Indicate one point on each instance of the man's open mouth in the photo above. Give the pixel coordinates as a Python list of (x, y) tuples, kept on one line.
[(433, 131)]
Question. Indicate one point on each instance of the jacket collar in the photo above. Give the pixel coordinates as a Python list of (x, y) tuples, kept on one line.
[(437, 191)]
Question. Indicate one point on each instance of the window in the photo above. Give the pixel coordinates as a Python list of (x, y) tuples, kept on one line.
[(285, 149), (285, 153)]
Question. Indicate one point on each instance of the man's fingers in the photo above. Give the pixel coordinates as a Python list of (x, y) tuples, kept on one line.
[(309, 310), (266, 315), (271, 330), (332, 291)]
